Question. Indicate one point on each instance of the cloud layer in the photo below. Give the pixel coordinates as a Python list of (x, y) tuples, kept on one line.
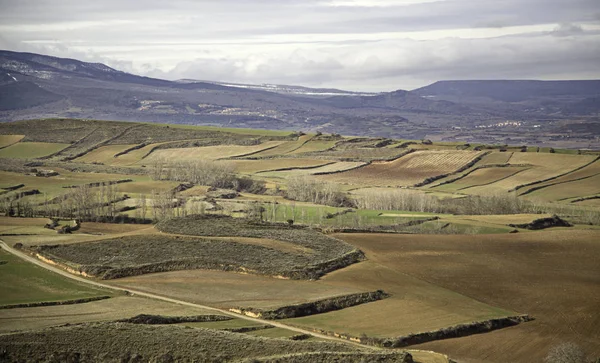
[(370, 45)]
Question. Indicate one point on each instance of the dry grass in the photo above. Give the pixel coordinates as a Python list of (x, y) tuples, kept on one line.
[(407, 170), (30, 150), (552, 275), (7, 140)]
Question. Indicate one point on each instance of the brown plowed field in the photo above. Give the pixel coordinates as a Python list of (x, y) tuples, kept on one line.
[(407, 170), (553, 275)]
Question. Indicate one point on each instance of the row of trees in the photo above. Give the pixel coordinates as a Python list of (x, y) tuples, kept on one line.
[(305, 189), (418, 201)]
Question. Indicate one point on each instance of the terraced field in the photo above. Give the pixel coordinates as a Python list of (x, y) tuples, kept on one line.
[(284, 148), (209, 152), (543, 166), (57, 185), (134, 156), (330, 168), (31, 150), (424, 306), (103, 154), (314, 146), (256, 166), (568, 189), (230, 290), (480, 177), (585, 183), (552, 275), (118, 307), (407, 170)]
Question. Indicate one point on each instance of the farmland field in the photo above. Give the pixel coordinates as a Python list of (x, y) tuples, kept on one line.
[(31, 150), (552, 275), (332, 167), (480, 177), (379, 241), (256, 166), (284, 148), (117, 307), (208, 152), (103, 154), (568, 189), (314, 146), (228, 290), (407, 170), (544, 166)]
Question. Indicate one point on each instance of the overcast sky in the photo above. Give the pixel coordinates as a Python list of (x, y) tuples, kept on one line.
[(369, 45)]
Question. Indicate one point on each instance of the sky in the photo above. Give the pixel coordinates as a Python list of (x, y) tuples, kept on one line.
[(361, 45)]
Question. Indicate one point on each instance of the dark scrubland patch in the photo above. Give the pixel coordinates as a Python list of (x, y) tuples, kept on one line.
[(316, 307), (101, 342), (15, 165), (156, 133), (159, 319), (53, 303), (137, 255), (542, 223)]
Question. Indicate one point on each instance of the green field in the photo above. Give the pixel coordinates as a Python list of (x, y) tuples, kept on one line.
[(21, 282), (31, 150)]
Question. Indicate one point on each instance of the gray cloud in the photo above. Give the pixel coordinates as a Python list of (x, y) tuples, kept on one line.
[(397, 44)]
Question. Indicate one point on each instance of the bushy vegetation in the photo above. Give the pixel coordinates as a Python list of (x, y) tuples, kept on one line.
[(216, 174), (136, 255), (101, 342), (305, 189), (417, 201)]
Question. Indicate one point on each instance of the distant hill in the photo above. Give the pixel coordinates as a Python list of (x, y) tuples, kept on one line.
[(510, 90), (40, 86)]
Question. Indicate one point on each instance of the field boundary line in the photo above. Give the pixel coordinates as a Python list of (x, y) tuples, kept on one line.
[(494, 181), (554, 177), (64, 273), (540, 187)]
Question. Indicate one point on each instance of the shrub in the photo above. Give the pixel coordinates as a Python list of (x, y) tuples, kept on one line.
[(566, 353)]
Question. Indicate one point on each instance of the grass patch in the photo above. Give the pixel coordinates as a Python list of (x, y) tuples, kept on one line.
[(22, 282), (31, 150), (136, 255)]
